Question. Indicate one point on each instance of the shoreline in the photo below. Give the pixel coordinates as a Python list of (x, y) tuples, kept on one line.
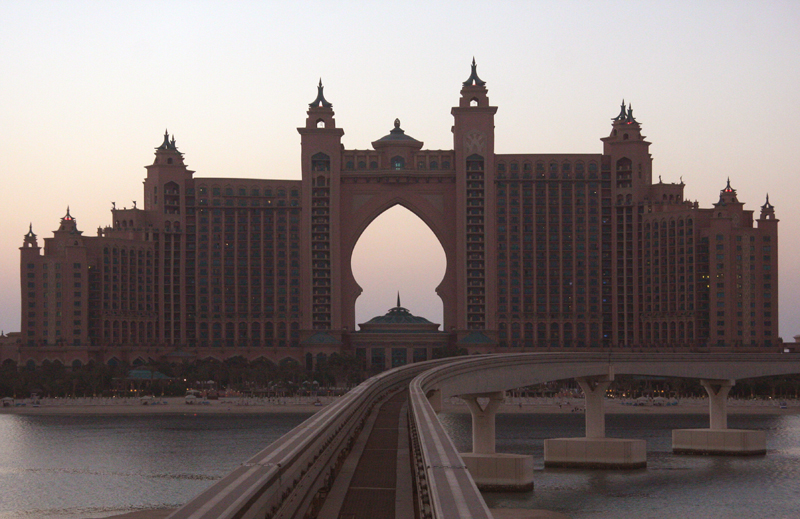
[(309, 405), (168, 405)]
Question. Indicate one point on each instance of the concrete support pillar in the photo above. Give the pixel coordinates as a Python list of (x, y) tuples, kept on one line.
[(595, 450), (594, 389), (483, 424), (718, 402), (435, 398), (718, 439)]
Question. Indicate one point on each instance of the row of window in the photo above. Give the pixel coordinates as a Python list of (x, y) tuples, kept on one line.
[(251, 192)]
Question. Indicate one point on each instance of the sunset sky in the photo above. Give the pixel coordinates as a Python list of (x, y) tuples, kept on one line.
[(87, 89)]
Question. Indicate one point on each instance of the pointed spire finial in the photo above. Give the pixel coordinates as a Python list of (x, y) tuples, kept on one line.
[(621, 116), (165, 144), (629, 116), (398, 299), (473, 79), (320, 101)]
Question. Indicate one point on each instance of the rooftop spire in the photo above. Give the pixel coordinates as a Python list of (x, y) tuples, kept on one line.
[(625, 114), (398, 292), (68, 216), (320, 101), (621, 116), (629, 117), (31, 235), (473, 79), (168, 144)]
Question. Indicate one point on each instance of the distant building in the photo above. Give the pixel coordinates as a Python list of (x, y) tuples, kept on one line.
[(543, 252)]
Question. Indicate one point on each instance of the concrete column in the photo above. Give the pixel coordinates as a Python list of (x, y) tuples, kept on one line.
[(594, 389), (483, 424), (435, 398), (718, 401)]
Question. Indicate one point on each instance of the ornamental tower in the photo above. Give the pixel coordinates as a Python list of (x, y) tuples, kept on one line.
[(321, 143), (473, 144)]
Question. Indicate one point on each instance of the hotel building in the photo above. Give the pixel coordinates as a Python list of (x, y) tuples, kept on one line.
[(544, 252)]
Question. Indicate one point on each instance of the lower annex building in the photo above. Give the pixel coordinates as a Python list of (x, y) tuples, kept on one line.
[(543, 252)]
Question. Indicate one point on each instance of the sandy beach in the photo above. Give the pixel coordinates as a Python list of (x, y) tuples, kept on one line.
[(169, 405), (554, 405)]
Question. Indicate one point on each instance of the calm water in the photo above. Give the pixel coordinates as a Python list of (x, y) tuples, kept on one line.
[(93, 466)]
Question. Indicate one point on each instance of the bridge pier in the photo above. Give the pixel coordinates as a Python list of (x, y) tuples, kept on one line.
[(595, 450), (490, 470), (435, 398), (718, 439)]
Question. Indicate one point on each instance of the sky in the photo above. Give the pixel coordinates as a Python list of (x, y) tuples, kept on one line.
[(87, 89)]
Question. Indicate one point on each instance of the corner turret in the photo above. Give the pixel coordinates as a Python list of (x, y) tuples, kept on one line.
[(30, 241), (767, 211), (631, 162), (167, 179)]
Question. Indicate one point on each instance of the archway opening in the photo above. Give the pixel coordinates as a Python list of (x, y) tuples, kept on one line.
[(398, 252)]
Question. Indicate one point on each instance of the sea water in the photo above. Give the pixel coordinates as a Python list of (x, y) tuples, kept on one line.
[(91, 466)]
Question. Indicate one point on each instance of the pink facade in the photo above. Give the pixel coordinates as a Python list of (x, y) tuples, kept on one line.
[(543, 252)]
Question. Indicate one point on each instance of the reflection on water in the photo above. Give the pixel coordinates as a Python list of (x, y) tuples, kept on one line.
[(93, 466), (671, 486)]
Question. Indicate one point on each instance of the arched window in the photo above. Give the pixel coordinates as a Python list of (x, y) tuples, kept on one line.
[(398, 162), (320, 162), (474, 163)]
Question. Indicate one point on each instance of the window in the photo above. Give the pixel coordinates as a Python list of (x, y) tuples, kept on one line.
[(398, 162)]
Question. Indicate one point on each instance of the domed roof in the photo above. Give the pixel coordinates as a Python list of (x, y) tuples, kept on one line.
[(399, 319), (398, 315), (397, 137)]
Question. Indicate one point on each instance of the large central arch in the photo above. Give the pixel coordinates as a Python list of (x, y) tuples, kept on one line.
[(365, 197)]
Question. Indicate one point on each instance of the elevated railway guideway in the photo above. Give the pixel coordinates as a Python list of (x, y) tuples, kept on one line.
[(381, 449), (293, 477)]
